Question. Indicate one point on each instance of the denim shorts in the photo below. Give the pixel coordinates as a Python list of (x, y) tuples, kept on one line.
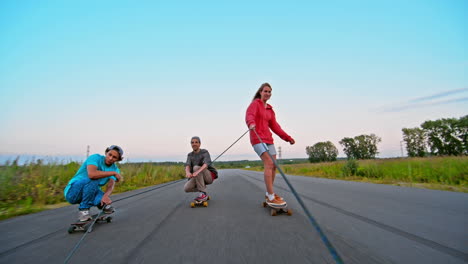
[(262, 147)]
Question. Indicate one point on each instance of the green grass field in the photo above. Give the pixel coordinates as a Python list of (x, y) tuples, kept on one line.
[(37, 186), (442, 173)]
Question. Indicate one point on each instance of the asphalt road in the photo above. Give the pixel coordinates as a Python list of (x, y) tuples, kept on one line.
[(365, 223)]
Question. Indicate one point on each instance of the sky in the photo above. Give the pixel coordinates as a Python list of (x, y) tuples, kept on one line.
[(149, 75)]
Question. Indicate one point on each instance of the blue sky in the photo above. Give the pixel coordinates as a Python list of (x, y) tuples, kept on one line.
[(149, 75)]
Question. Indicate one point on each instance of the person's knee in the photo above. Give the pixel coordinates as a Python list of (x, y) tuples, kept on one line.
[(72, 199), (208, 181), (74, 195), (188, 187), (269, 165)]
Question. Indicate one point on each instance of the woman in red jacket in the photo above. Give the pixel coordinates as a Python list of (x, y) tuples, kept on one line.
[(261, 118)]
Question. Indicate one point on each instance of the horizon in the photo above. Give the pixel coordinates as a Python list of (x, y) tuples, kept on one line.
[(33, 159)]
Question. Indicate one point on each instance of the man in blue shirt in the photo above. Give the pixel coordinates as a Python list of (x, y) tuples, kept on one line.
[(85, 187)]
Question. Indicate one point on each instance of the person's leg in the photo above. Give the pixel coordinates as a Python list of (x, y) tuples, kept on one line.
[(268, 169), (90, 191), (190, 186), (272, 150), (273, 170), (98, 199), (273, 176), (269, 172), (202, 179), (75, 193), (208, 179)]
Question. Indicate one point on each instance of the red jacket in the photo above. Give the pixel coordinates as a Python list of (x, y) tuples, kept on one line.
[(264, 120)]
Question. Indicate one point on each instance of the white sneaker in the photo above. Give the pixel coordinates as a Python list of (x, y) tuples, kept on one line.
[(84, 215), (108, 209)]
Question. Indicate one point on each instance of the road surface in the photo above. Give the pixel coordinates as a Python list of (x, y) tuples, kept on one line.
[(365, 223)]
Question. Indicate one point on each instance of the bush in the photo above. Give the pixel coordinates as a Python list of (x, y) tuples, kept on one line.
[(350, 168)]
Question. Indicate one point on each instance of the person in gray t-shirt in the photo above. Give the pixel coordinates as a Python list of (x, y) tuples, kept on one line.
[(198, 170)]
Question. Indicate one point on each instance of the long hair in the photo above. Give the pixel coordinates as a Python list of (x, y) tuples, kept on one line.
[(257, 94)]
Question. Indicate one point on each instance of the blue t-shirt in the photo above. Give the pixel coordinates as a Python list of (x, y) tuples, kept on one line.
[(100, 162)]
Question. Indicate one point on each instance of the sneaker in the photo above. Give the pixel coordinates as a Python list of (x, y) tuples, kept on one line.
[(108, 209), (279, 197), (275, 202), (276, 196), (202, 197), (83, 215)]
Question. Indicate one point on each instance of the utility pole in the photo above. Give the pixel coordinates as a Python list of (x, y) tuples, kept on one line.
[(87, 152), (401, 148), (279, 152)]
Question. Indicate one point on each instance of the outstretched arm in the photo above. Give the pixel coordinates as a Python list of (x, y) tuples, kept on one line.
[(279, 131)]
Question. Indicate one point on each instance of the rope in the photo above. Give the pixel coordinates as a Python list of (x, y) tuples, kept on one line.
[(158, 187), (314, 223), (82, 237), (101, 212), (230, 146)]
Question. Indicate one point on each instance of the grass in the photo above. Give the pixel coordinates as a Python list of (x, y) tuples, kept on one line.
[(441, 173), (37, 186)]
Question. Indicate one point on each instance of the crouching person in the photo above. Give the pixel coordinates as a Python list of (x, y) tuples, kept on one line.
[(85, 187), (199, 171)]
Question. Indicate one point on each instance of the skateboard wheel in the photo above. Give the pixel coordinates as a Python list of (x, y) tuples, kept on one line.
[(71, 229), (192, 204), (109, 219), (273, 212), (289, 212), (205, 204), (264, 204), (208, 198)]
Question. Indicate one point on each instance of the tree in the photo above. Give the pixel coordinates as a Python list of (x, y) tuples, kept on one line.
[(447, 136), (322, 151), (349, 147), (361, 147), (415, 139), (463, 132)]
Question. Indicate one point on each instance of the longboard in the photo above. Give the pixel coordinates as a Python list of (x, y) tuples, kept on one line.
[(278, 210), (86, 225), (195, 203)]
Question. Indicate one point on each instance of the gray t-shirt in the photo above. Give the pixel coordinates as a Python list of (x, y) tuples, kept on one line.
[(200, 158)]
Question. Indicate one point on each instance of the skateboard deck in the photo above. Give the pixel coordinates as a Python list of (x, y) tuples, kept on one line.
[(86, 225), (195, 203), (278, 210)]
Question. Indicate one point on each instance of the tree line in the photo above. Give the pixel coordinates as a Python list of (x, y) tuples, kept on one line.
[(446, 136), (442, 137)]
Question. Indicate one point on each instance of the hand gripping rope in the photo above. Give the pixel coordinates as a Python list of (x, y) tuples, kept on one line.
[(314, 223)]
